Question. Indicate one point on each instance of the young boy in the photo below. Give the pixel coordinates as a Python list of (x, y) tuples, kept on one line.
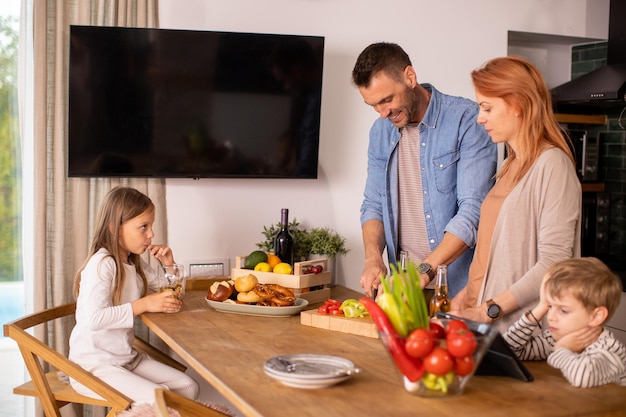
[(578, 295)]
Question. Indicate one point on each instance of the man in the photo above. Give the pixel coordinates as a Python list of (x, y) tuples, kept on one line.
[(430, 166)]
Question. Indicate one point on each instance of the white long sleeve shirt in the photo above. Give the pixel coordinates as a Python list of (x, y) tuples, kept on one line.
[(104, 332), (602, 362)]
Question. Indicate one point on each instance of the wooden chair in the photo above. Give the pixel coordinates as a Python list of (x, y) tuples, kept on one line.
[(185, 407), (52, 388)]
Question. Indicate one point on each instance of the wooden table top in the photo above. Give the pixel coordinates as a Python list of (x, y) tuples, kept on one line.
[(229, 350)]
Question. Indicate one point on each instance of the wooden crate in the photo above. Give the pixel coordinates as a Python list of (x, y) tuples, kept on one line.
[(315, 296), (360, 326), (296, 281)]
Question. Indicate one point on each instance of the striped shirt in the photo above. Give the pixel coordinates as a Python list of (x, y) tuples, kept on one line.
[(602, 362), (412, 233)]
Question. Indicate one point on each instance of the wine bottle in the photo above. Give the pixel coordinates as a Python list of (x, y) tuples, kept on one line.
[(440, 300), (284, 242)]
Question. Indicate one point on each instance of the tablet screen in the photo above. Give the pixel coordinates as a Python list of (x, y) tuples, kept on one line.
[(499, 359)]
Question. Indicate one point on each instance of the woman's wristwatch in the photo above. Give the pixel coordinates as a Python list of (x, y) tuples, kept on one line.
[(494, 312)]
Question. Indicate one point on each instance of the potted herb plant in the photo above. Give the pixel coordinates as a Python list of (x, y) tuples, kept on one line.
[(326, 243)]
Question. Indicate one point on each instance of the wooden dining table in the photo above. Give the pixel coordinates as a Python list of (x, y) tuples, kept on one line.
[(229, 351)]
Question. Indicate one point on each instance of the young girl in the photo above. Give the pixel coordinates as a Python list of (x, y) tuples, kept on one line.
[(578, 296), (111, 289)]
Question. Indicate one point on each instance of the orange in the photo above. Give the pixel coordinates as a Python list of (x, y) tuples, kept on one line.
[(273, 260)]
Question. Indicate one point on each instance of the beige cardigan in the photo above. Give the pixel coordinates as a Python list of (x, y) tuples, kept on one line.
[(538, 225)]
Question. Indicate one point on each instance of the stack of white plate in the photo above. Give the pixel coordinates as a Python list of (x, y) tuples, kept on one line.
[(309, 370)]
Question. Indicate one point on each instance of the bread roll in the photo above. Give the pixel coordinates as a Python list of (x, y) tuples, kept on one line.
[(249, 297), (247, 283), (220, 290)]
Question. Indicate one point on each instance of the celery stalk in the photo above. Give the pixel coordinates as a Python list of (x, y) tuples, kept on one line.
[(403, 300)]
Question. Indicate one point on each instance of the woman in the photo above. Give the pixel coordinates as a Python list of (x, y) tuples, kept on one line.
[(531, 217)]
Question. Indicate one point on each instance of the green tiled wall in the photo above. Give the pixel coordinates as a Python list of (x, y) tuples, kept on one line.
[(613, 146)]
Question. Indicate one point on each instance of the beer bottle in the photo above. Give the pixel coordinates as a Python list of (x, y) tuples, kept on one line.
[(440, 300)]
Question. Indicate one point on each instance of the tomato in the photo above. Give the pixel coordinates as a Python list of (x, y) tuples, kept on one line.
[(464, 366), (461, 343), (317, 269), (437, 330), (329, 307), (454, 325), (438, 362), (419, 343)]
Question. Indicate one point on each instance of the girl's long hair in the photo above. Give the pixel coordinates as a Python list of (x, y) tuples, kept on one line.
[(521, 85), (120, 205)]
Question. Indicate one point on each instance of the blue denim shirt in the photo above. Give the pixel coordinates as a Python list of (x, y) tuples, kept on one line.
[(458, 162)]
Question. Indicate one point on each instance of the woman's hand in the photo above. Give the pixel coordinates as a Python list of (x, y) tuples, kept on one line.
[(478, 314), (162, 253), (458, 301)]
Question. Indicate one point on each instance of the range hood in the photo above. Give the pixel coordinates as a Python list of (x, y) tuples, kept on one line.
[(607, 84)]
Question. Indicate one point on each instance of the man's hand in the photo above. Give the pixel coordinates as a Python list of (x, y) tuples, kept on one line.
[(373, 270)]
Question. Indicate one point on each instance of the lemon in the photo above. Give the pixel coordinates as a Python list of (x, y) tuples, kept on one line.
[(263, 267), (283, 268)]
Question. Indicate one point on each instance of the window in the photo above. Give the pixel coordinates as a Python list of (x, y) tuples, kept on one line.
[(11, 276)]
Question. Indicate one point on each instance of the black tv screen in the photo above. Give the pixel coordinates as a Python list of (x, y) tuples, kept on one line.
[(193, 104)]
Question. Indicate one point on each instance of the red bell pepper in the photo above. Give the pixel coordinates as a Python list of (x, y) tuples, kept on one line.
[(412, 368)]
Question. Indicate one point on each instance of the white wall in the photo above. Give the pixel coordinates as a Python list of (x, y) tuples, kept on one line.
[(446, 39)]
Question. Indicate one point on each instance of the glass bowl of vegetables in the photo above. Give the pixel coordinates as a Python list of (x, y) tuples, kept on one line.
[(436, 357), (439, 361)]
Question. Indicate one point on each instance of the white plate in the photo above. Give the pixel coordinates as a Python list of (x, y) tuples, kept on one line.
[(309, 383), (254, 310), (309, 370)]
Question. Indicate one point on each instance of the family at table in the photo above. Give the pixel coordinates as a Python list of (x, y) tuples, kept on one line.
[(433, 191), (510, 238)]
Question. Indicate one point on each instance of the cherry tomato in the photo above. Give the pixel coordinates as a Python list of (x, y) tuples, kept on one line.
[(461, 343), (464, 366), (323, 309), (455, 324), (329, 306), (419, 343), (439, 362), (437, 330)]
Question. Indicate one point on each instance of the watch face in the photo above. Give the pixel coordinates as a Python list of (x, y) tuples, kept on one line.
[(425, 268), (493, 311)]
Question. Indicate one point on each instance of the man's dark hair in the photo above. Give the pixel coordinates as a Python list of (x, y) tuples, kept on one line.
[(382, 56)]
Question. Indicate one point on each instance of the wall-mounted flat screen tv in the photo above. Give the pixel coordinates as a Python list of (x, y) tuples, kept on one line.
[(193, 104)]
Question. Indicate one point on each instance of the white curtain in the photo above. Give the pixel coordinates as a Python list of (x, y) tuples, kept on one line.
[(65, 208)]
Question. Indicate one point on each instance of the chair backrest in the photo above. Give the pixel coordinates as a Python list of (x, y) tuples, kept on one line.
[(185, 407), (52, 392)]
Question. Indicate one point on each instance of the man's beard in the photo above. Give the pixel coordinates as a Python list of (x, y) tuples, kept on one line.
[(410, 106)]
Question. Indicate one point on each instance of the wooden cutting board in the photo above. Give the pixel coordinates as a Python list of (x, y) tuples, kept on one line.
[(360, 326)]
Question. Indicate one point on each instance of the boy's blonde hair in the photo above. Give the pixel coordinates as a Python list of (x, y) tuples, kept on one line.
[(588, 280)]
